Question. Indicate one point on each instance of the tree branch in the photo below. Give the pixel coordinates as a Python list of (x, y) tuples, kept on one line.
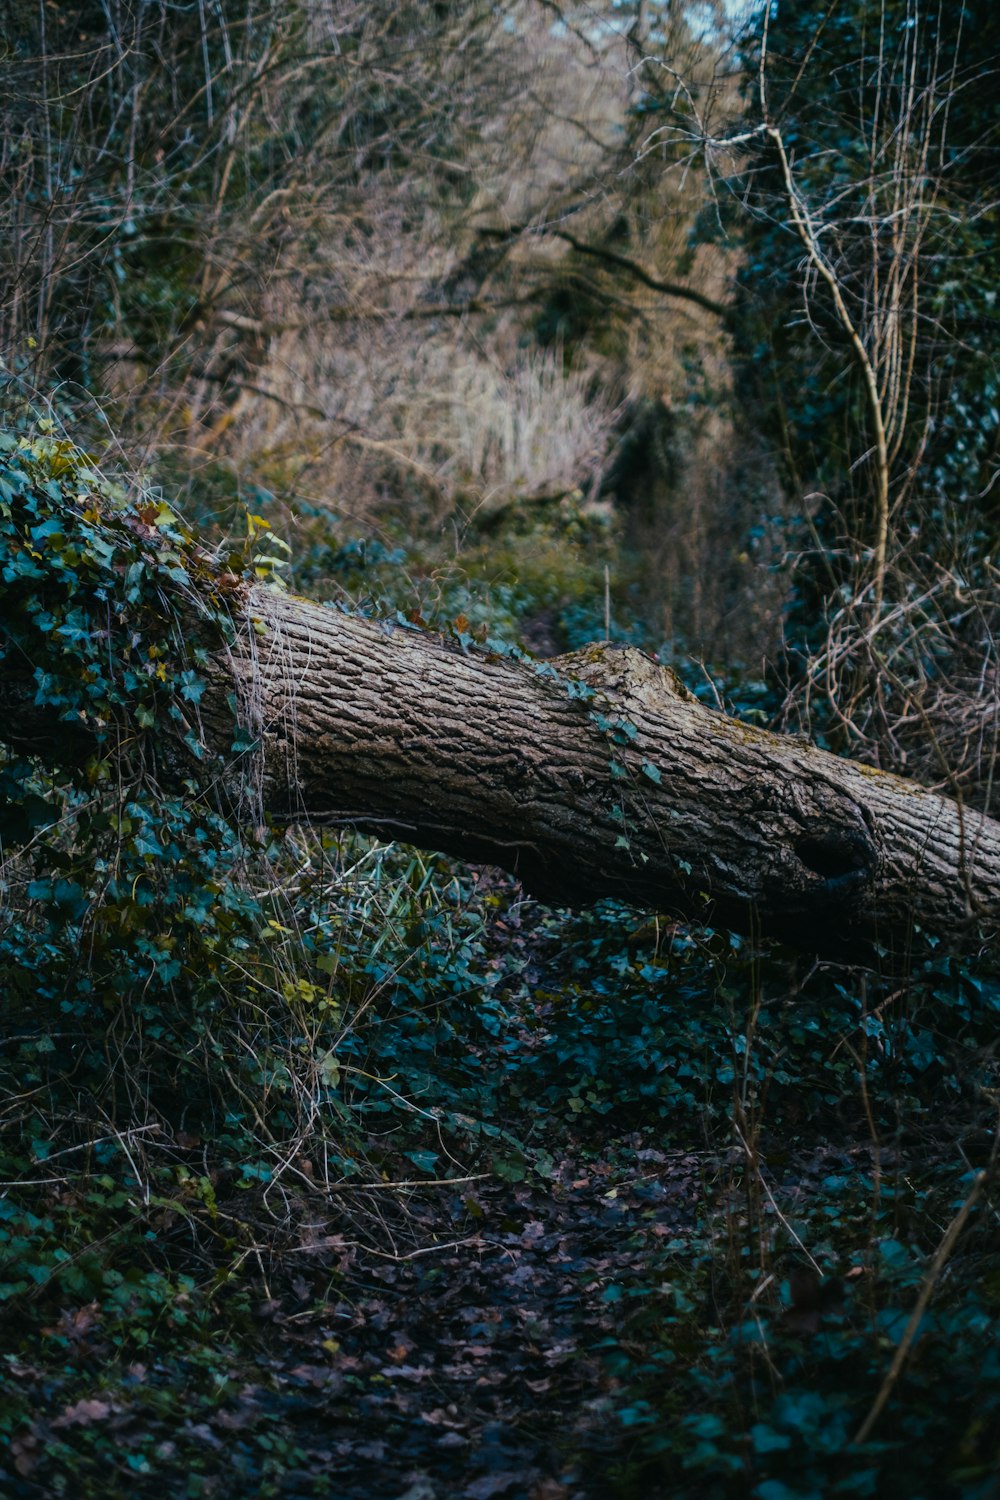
[(620, 262)]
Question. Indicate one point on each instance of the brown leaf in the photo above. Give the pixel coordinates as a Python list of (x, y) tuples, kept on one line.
[(83, 1413), (75, 1323), (812, 1299), (443, 1417), (25, 1451)]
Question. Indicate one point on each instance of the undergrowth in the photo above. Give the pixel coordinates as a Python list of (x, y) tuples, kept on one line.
[(222, 1041)]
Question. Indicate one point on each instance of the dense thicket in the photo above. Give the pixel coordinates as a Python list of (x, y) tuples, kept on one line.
[(867, 333), (891, 118)]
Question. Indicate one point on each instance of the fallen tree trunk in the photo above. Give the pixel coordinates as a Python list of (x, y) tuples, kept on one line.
[(593, 775), (598, 774)]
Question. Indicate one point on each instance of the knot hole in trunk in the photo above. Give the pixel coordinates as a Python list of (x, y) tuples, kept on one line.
[(843, 859)]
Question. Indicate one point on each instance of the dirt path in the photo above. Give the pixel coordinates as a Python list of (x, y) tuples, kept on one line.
[(471, 1355)]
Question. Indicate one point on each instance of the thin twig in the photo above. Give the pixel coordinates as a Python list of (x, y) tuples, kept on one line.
[(755, 1168)]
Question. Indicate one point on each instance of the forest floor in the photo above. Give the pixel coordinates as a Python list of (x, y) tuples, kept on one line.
[(651, 1296), (477, 1365), (456, 1341)]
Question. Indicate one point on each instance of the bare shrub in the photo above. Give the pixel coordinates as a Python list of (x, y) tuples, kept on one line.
[(459, 427), (933, 653)]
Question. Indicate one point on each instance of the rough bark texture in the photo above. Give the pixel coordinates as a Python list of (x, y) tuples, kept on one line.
[(634, 790), (596, 774)]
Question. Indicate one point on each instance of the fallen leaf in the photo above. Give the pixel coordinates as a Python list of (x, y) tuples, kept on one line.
[(407, 1372), (25, 1451), (82, 1413), (452, 1439)]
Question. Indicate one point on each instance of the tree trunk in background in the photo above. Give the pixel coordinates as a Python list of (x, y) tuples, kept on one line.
[(628, 787)]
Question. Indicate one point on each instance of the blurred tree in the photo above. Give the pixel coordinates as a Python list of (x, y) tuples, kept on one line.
[(164, 167)]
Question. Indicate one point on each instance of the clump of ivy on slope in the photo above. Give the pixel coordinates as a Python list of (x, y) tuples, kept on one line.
[(122, 926), (152, 995), (117, 890)]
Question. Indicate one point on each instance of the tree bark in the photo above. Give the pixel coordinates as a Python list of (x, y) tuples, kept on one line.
[(594, 775)]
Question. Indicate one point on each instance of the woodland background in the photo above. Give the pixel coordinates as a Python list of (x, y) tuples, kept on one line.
[(331, 1167)]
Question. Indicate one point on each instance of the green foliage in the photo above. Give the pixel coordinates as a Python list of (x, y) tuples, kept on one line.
[(130, 921), (888, 116), (761, 1366), (110, 615), (537, 580)]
